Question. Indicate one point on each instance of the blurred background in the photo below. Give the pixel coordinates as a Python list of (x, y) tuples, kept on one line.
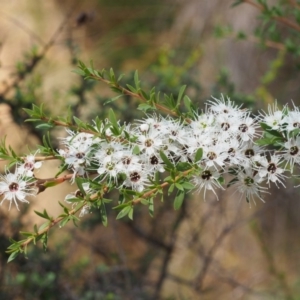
[(208, 249)]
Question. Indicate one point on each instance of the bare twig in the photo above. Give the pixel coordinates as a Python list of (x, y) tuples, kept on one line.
[(282, 20)]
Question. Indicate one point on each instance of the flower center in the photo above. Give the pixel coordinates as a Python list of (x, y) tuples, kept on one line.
[(294, 150), (109, 151), (211, 155), (148, 143), (110, 166), (296, 125), (249, 153), (248, 181), (225, 126), (243, 128), (135, 177), (80, 155), (29, 166), (13, 187), (231, 151), (126, 160), (272, 168), (153, 160), (206, 175), (79, 194)]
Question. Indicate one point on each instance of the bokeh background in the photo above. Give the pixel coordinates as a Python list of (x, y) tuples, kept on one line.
[(208, 249)]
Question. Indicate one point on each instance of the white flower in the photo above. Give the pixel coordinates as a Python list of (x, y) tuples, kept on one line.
[(292, 152), (226, 107), (250, 154), (150, 143), (85, 210), (292, 120), (78, 193), (78, 152), (107, 168), (29, 165), (271, 169), (208, 180), (274, 118), (234, 154), (16, 187), (126, 160), (247, 128), (214, 156), (202, 124), (226, 126), (248, 185), (153, 163), (136, 179)]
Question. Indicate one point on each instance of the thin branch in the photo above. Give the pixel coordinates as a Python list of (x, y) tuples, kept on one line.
[(36, 59), (294, 4), (23, 27), (282, 20), (52, 224), (136, 95)]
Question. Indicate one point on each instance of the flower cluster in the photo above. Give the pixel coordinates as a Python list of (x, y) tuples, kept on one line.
[(19, 185), (230, 138)]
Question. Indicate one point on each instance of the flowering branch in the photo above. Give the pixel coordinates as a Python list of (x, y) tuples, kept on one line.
[(184, 151)]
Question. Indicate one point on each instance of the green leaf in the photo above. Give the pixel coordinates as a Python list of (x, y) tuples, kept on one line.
[(269, 130), (45, 126), (125, 211), (103, 214), (112, 118), (113, 99), (187, 102), (130, 213), (78, 121), (171, 188), (43, 215), (136, 150), (144, 107), (79, 181), (13, 256), (199, 154), (151, 207), (131, 88), (112, 75), (120, 77), (183, 166), (221, 180), (28, 234), (136, 80), (180, 94), (64, 221), (179, 186), (166, 160), (188, 186), (178, 200)]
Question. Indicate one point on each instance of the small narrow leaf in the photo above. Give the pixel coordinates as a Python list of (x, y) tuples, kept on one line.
[(199, 154), (151, 207), (13, 256), (180, 94), (112, 118), (166, 160), (178, 200), (125, 211), (103, 214)]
